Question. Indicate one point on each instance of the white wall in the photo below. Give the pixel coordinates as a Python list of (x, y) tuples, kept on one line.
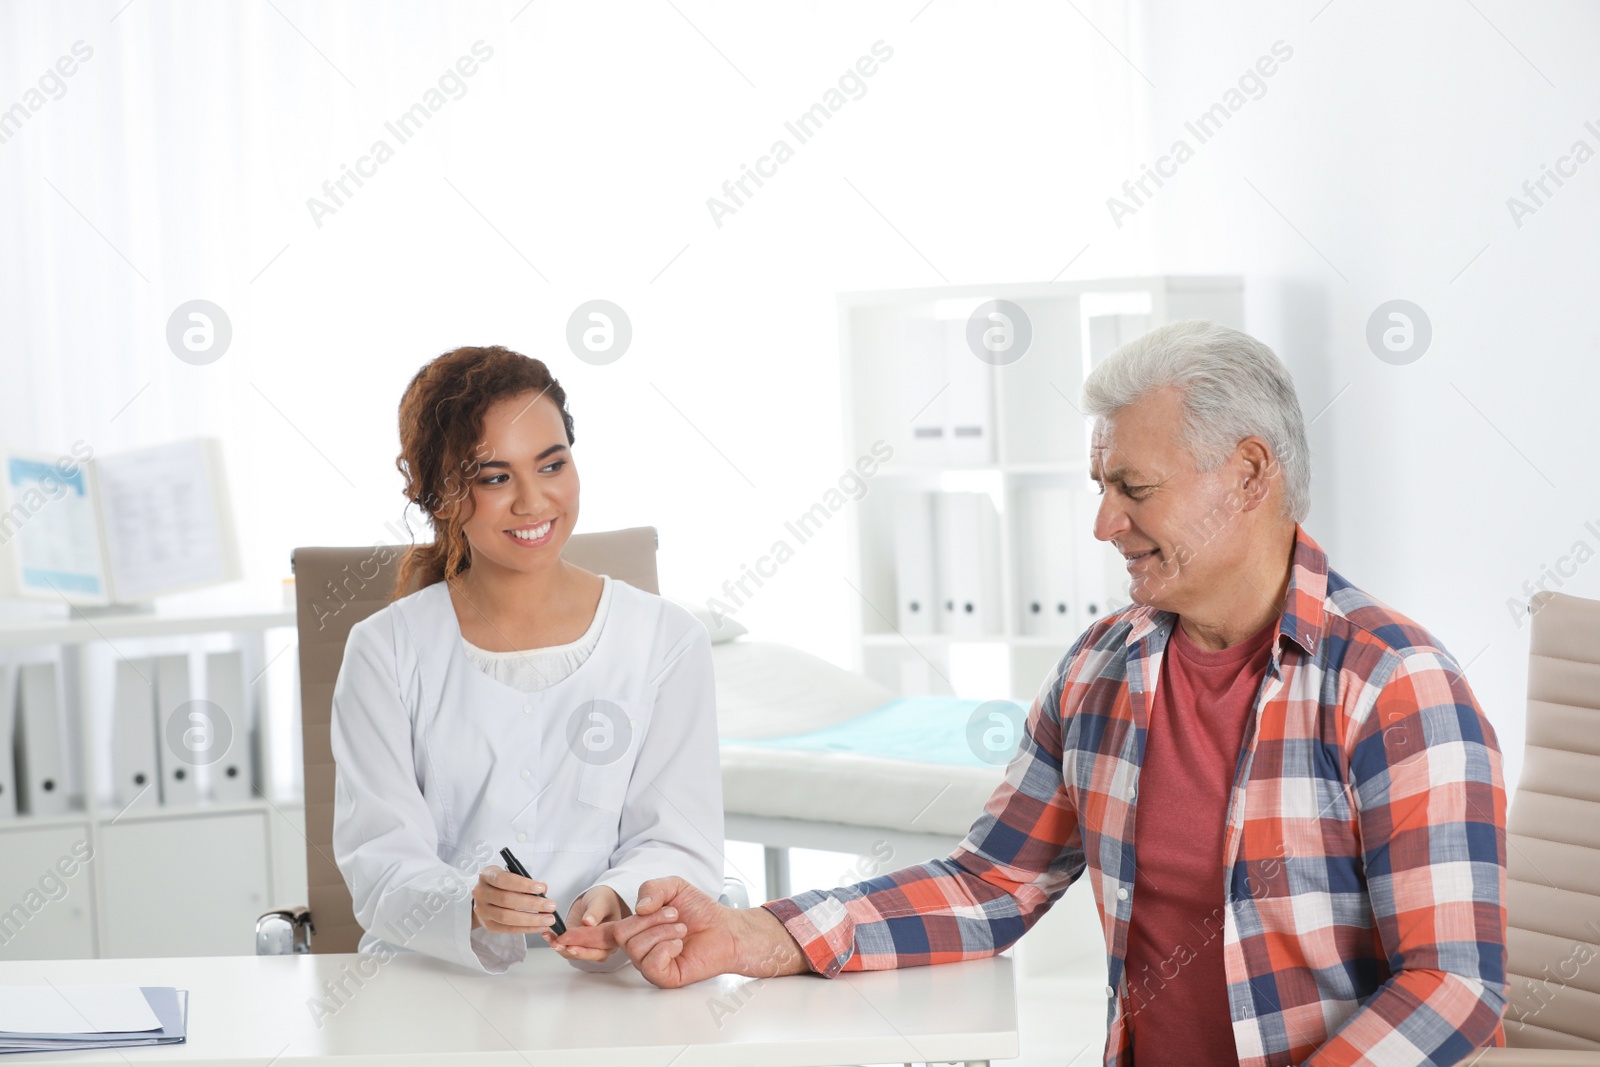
[(1391, 141), (179, 160), (591, 141)]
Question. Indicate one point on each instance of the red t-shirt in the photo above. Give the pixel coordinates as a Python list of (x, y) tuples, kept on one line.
[(1177, 1010)]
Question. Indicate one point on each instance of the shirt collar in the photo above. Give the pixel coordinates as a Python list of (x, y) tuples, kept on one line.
[(1301, 620)]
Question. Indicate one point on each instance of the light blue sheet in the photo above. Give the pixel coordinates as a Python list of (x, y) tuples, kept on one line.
[(916, 729)]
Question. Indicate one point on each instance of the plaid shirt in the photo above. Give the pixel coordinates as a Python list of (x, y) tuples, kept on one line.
[(1365, 843)]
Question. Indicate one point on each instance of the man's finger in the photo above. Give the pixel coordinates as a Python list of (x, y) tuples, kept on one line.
[(659, 966), (641, 945), (656, 892), (634, 925)]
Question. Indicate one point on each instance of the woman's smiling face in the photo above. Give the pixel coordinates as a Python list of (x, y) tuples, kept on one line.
[(525, 487)]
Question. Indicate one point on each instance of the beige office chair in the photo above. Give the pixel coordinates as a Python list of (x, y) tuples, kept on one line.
[(335, 588), (1553, 846)]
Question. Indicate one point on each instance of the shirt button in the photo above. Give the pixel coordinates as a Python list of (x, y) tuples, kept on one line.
[(1110, 992), (527, 709), (524, 774), (1122, 893), (522, 837), (1133, 791)]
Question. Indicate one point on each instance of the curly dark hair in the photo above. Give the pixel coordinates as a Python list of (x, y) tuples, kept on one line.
[(441, 422)]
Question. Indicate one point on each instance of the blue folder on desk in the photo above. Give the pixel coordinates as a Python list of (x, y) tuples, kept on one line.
[(171, 1007)]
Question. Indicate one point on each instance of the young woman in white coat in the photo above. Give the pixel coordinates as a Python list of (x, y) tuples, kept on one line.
[(506, 698)]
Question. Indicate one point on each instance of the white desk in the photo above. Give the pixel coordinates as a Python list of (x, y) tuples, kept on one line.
[(414, 1010)]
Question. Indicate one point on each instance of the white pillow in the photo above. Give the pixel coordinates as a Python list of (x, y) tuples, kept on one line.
[(767, 689), (721, 632)]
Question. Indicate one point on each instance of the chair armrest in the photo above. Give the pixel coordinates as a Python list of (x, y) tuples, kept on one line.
[(734, 893), (284, 931)]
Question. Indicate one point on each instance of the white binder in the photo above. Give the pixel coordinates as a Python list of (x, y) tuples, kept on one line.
[(8, 742), (277, 744), (135, 768), (927, 392), (41, 762), (178, 780), (970, 411), (1089, 560), (232, 776), (916, 588), (1047, 597), (967, 526)]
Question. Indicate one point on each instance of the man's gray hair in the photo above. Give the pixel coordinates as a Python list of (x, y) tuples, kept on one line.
[(1233, 387)]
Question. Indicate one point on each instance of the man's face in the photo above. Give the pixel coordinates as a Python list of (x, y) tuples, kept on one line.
[(1179, 528)]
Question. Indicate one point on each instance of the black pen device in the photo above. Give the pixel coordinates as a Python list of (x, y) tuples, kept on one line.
[(515, 866)]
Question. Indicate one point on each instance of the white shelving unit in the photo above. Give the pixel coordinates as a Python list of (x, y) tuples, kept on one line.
[(1039, 439), (160, 881)]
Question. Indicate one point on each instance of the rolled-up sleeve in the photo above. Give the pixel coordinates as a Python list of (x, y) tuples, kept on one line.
[(385, 840)]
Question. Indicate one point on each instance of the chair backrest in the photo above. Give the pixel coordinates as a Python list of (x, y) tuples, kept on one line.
[(1553, 836), (335, 588)]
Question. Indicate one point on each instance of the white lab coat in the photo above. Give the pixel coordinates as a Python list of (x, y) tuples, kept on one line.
[(608, 777)]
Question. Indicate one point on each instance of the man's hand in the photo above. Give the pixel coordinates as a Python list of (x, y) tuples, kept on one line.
[(677, 935), (590, 926)]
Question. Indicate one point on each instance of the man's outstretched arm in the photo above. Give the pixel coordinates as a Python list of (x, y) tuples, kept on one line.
[(677, 935), (1020, 855)]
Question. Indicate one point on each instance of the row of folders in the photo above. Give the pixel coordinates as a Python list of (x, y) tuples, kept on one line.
[(168, 746), (951, 387), (947, 564)]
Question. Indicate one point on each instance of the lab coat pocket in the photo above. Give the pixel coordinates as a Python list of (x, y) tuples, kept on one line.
[(605, 786), (607, 738)]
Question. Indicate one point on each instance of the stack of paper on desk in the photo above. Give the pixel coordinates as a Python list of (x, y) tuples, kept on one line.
[(51, 1018)]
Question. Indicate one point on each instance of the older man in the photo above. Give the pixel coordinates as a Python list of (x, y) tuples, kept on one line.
[(1290, 804)]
